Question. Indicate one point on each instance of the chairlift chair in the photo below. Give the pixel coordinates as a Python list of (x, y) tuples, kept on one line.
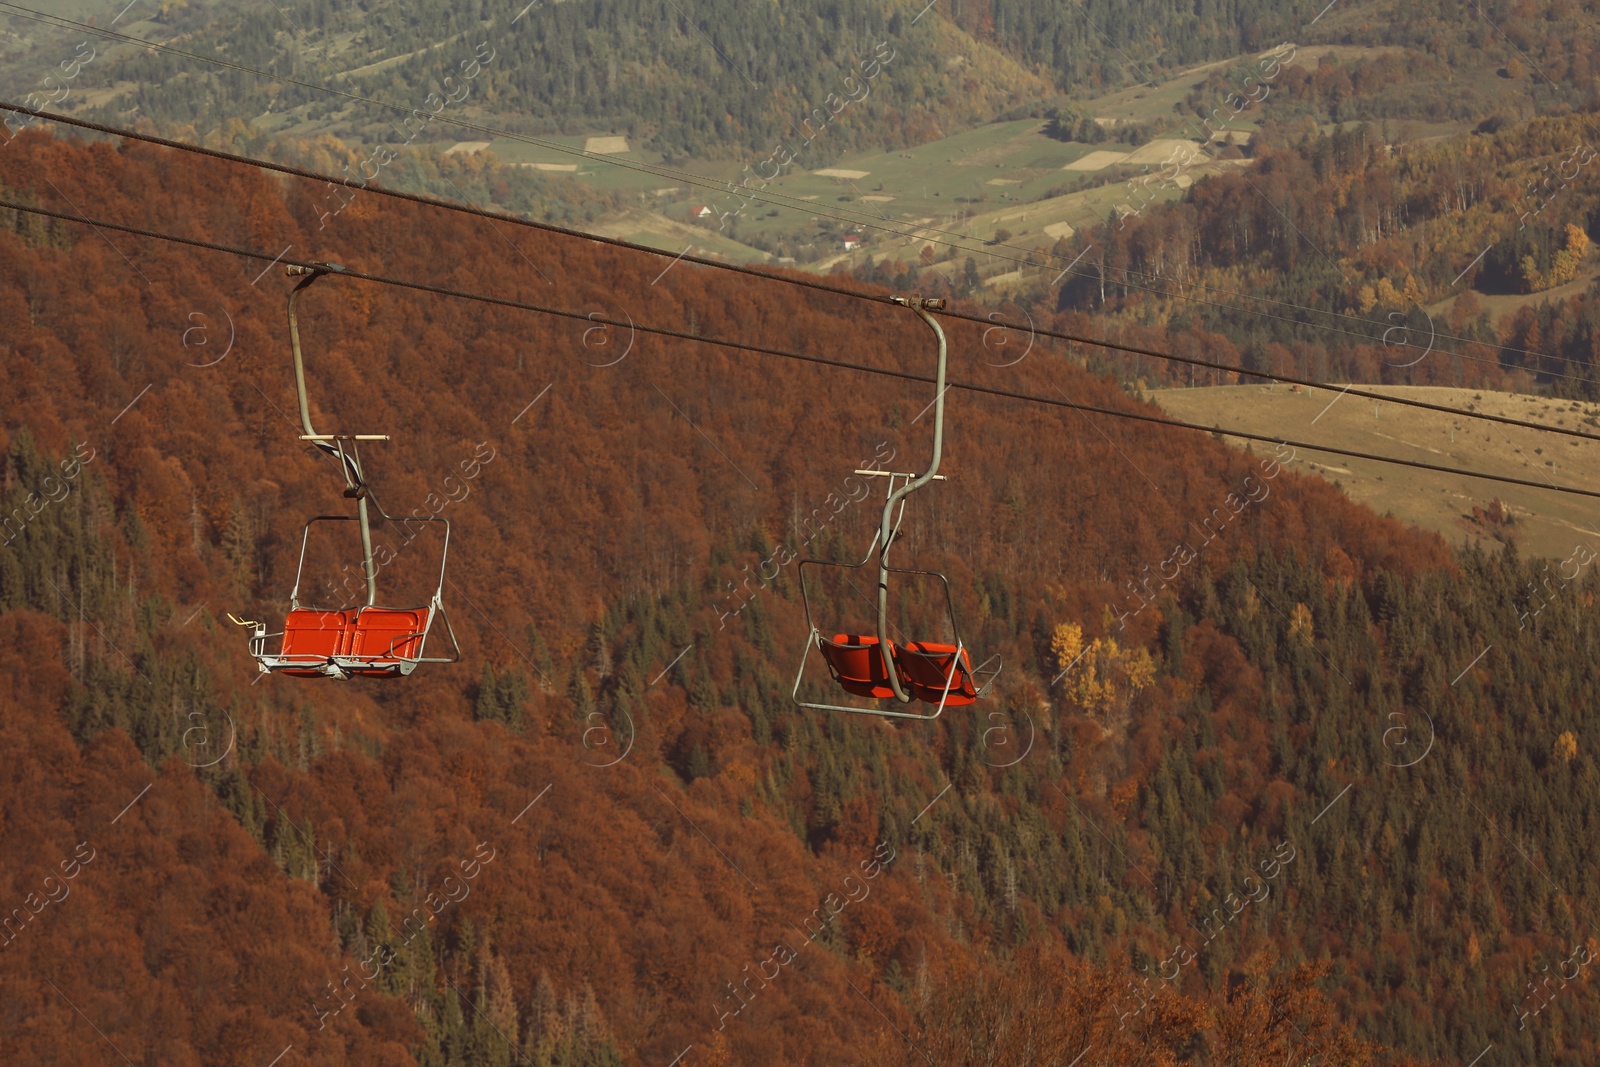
[(370, 641), (870, 665)]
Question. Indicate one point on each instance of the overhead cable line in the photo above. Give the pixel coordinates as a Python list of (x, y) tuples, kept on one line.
[(858, 219), (856, 294), (593, 319)]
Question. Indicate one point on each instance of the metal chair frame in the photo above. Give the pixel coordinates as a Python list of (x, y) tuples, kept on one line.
[(888, 530), (402, 665), (346, 449)]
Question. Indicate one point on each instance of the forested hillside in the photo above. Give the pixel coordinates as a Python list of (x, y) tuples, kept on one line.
[(721, 77), (1267, 774), (729, 77), (1426, 137), (1340, 257)]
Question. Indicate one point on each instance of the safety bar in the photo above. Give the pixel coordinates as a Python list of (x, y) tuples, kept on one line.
[(344, 437), (444, 554), (896, 474), (295, 270)]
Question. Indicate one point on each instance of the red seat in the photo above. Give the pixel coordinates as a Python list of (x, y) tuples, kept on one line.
[(385, 635), (857, 665), (371, 642), (314, 637), (927, 666)]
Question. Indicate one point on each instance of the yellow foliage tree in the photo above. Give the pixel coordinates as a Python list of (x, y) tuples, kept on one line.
[(1412, 292), (1564, 265), (1532, 280), (1566, 749), (1366, 299), (1577, 241), (1104, 674), (1388, 295), (1067, 643), (1300, 623)]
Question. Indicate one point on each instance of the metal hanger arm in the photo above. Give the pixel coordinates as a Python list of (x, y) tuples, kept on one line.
[(886, 538), (333, 444)]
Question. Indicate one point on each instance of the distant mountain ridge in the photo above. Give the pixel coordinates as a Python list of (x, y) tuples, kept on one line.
[(710, 78)]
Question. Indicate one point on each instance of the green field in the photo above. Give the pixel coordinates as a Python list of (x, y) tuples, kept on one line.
[(975, 181), (658, 231), (1005, 176), (622, 176)]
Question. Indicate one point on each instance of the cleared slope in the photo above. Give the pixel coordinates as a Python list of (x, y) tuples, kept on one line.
[(1544, 523)]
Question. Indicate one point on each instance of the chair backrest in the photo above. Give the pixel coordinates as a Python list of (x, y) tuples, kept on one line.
[(316, 635), (857, 664), (927, 665), (389, 633)]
